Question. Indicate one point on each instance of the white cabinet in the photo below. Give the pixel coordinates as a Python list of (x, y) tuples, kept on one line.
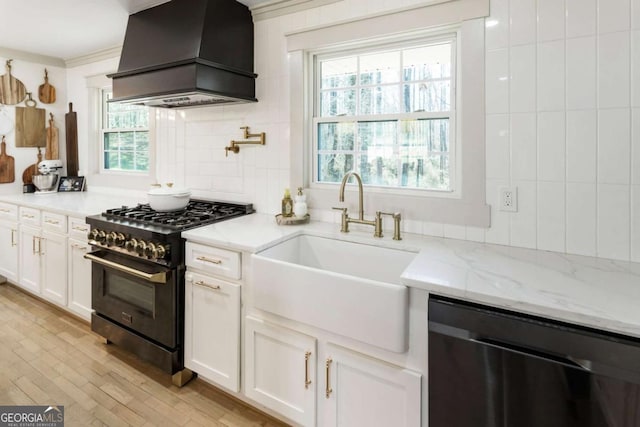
[(212, 329), (53, 253), (9, 250), (361, 391), (79, 279), (284, 373), (280, 369), (29, 245)]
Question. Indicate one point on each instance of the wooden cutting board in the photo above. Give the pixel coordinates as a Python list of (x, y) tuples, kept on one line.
[(71, 131), (27, 175), (12, 91), (46, 92), (52, 149), (7, 165), (30, 125)]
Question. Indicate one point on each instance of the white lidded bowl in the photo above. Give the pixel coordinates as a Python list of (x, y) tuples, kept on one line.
[(167, 198)]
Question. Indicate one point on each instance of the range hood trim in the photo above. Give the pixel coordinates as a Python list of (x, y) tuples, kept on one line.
[(182, 62)]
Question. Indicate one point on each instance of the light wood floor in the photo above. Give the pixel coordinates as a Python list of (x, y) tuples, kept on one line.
[(48, 357)]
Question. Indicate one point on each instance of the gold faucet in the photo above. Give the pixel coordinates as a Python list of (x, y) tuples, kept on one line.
[(344, 227)]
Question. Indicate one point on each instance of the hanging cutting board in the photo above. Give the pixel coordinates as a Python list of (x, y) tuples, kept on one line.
[(7, 165), (12, 91), (46, 92), (27, 175), (71, 131), (52, 149), (30, 125)]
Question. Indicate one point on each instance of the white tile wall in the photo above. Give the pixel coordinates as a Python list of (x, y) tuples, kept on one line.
[(561, 77)]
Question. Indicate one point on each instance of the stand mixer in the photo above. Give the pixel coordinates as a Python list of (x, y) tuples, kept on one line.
[(47, 180)]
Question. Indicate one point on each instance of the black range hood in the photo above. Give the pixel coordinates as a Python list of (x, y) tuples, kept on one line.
[(187, 53)]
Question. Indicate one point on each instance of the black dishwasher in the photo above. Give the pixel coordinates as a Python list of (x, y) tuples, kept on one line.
[(490, 367)]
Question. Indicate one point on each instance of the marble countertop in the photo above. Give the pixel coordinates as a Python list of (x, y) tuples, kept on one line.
[(73, 203), (599, 293)]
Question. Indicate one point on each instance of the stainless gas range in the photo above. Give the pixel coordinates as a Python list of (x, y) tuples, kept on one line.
[(137, 277)]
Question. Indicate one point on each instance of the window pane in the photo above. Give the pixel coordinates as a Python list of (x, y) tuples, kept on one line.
[(111, 160), (380, 68), (338, 103), (338, 73), (142, 161), (111, 141), (425, 63), (336, 136), (425, 135), (126, 140), (127, 160), (379, 100), (332, 167), (142, 141), (430, 97), (377, 144)]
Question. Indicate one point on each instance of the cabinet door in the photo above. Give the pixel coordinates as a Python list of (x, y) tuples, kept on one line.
[(29, 246), (362, 391), (212, 329), (54, 267), (280, 370), (79, 292), (9, 250)]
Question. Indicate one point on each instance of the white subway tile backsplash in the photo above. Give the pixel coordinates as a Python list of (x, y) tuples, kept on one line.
[(635, 146), (613, 15), (581, 219), (524, 222), (497, 25), (613, 70), (433, 229), (551, 146), (614, 145), (581, 17), (635, 223), (522, 17), (581, 73), (551, 17), (614, 227), (475, 234), (452, 231), (582, 146), (635, 14), (551, 76), (522, 67), (497, 81), (635, 68), (497, 146), (523, 146), (551, 216)]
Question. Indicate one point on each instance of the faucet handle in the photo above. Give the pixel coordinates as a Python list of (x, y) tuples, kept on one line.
[(396, 224), (344, 221)]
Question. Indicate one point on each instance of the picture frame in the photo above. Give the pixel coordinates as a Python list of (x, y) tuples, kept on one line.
[(70, 184)]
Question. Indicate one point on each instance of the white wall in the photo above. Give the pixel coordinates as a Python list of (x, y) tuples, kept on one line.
[(31, 74), (563, 109)]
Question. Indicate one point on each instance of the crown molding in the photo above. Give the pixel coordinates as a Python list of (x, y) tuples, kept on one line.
[(100, 55), (276, 8), (31, 57)]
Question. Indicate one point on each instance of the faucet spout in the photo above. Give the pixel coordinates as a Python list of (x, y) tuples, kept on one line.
[(359, 181)]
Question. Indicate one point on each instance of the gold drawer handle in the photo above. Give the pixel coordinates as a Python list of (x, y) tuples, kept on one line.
[(307, 381), (28, 216), (79, 228), (206, 285), (5, 210), (210, 260), (328, 389), (77, 246), (52, 221), (13, 238)]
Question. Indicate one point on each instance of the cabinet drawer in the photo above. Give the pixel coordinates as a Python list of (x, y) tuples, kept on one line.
[(8, 212), (54, 222), (78, 228), (221, 262), (29, 216)]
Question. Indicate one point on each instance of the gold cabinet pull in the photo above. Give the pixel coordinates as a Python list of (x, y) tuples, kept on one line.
[(207, 285), (307, 381), (33, 244), (13, 238), (40, 239), (210, 260), (75, 227), (328, 389), (77, 246), (52, 221), (4, 210), (28, 216)]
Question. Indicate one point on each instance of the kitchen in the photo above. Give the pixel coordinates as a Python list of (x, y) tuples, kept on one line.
[(558, 117)]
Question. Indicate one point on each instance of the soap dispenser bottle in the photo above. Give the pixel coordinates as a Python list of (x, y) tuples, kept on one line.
[(287, 204), (300, 206)]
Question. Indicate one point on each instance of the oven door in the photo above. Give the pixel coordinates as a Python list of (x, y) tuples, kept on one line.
[(140, 296)]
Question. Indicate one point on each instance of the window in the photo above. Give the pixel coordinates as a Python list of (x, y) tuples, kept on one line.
[(125, 136), (388, 114)]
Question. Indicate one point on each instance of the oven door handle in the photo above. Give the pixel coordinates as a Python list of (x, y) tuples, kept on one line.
[(150, 277)]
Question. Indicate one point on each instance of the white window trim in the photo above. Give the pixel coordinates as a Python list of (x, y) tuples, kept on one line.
[(470, 208), (314, 119), (98, 176)]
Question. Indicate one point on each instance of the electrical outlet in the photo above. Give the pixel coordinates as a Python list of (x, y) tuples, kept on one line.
[(509, 199)]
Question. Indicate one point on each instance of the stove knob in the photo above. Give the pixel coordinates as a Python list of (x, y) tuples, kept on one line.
[(142, 246), (131, 245), (101, 236), (93, 234), (119, 239), (161, 252), (111, 238), (150, 250)]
